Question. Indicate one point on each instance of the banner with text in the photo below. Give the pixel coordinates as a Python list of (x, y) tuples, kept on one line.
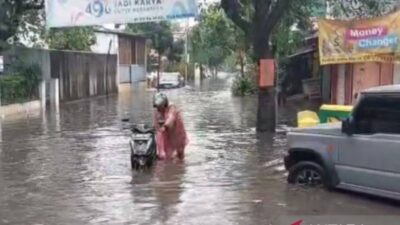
[(67, 13), (376, 39)]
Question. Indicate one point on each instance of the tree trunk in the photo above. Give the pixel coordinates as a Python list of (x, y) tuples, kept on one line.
[(241, 58), (266, 113), (201, 72)]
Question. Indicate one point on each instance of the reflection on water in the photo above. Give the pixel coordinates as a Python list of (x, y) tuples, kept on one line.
[(72, 167)]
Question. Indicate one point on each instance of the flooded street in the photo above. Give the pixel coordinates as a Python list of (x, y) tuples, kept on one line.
[(73, 167)]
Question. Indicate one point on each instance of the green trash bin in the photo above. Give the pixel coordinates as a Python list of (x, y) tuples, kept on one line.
[(334, 113)]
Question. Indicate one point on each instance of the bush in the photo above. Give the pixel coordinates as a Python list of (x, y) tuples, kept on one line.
[(20, 84), (244, 85)]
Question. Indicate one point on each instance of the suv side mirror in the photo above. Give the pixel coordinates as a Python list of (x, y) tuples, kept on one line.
[(348, 126)]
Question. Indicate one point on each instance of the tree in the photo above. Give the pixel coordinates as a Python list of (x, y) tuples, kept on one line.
[(258, 28), (160, 34), (358, 9), (80, 39), (212, 38), (240, 47), (13, 13), (176, 51), (295, 25)]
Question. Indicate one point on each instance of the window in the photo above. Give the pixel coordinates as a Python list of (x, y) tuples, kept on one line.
[(380, 114)]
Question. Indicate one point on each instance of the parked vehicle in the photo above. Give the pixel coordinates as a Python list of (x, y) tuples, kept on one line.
[(361, 154), (143, 146), (171, 80)]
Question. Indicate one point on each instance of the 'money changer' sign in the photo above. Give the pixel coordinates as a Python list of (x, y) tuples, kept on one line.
[(376, 39), (67, 13)]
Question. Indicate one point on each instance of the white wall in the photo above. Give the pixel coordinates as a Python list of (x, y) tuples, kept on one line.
[(103, 42)]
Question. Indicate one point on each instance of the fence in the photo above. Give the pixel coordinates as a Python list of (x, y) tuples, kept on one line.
[(79, 75), (83, 75)]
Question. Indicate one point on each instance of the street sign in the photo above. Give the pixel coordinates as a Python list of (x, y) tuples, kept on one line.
[(67, 13)]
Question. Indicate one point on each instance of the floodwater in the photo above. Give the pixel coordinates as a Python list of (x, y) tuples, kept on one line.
[(72, 167)]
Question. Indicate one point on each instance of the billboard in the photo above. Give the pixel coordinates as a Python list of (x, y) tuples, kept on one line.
[(67, 13), (376, 39)]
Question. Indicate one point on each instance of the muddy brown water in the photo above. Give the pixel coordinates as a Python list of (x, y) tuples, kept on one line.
[(72, 167)]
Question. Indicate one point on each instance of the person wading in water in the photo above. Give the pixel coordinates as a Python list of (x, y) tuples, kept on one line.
[(171, 134)]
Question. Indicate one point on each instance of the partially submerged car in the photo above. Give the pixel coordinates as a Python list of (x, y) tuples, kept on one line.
[(360, 154), (171, 80)]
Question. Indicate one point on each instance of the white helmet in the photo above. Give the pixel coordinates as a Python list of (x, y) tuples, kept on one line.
[(160, 100)]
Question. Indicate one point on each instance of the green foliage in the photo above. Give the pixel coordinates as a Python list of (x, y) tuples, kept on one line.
[(14, 14), (230, 64), (24, 19), (213, 39), (160, 34), (20, 84), (244, 85), (79, 39), (294, 26), (357, 9), (176, 52)]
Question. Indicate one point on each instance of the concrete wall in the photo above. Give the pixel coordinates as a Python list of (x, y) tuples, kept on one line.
[(40, 57), (20, 109)]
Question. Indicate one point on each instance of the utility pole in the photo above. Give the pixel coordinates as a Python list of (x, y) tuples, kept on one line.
[(107, 62), (159, 61), (186, 51)]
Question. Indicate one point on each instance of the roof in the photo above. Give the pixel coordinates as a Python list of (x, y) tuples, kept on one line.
[(126, 34), (303, 51), (388, 89)]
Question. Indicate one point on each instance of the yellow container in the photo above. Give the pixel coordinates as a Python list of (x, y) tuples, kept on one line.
[(343, 108), (307, 119), (334, 113)]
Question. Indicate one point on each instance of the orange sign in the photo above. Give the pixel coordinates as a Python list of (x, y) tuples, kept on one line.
[(267, 72)]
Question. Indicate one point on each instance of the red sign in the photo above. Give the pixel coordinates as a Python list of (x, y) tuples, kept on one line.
[(367, 32), (267, 72)]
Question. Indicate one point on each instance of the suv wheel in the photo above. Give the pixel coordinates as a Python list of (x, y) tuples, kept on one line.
[(307, 174)]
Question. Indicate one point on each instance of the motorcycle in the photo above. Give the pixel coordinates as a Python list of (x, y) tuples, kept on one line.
[(143, 146)]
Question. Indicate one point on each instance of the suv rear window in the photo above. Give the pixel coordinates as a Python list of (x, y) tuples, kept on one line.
[(378, 114)]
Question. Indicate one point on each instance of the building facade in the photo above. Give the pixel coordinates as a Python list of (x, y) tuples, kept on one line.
[(131, 51)]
